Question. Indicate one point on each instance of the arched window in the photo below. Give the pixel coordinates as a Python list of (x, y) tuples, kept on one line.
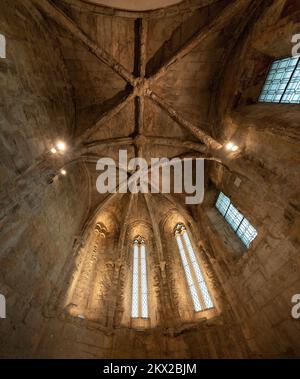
[(195, 280), (139, 308)]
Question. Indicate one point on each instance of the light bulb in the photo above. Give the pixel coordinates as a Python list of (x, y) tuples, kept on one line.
[(53, 150), (61, 146), (231, 146), (63, 172)]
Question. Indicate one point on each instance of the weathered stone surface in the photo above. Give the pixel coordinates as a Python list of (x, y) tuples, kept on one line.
[(180, 80)]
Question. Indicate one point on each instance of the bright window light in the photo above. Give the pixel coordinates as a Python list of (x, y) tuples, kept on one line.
[(144, 291), (222, 203), (139, 306), (188, 275), (240, 225), (246, 232), (2, 46), (195, 280), (201, 283), (135, 282), (233, 217), (283, 82)]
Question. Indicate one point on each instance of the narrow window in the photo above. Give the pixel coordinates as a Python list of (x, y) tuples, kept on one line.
[(195, 280), (2, 306), (239, 224), (2, 46), (283, 82), (139, 280)]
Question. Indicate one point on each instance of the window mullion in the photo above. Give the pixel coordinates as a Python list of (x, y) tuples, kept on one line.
[(198, 289), (227, 209), (140, 283), (144, 285), (240, 224), (139, 307), (188, 274), (287, 84), (201, 284), (135, 282)]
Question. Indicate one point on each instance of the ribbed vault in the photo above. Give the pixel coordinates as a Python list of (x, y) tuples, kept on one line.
[(142, 84), (177, 81)]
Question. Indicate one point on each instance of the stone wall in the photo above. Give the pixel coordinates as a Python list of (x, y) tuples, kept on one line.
[(41, 212), (77, 323), (36, 106), (261, 281), (77, 339)]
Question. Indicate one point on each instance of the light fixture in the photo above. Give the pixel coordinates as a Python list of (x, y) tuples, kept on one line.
[(231, 146), (61, 146), (63, 172), (53, 150)]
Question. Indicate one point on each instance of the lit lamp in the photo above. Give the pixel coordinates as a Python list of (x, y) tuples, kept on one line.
[(231, 147), (61, 146)]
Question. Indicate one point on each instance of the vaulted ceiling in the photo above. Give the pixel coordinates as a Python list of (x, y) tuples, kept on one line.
[(179, 80), (144, 82)]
